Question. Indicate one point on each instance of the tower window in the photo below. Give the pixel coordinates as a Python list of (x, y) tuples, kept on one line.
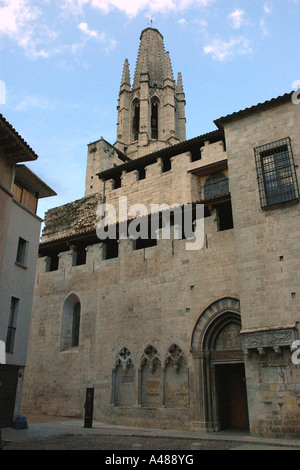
[(154, 120), (136, 121)]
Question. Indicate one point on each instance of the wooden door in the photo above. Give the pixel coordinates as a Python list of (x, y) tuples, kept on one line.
[(232, 396), (8, 387)]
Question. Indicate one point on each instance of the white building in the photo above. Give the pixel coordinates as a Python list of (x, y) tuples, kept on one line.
[(20, 190)]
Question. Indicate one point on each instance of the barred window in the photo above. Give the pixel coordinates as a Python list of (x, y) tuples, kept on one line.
[(276, 174)]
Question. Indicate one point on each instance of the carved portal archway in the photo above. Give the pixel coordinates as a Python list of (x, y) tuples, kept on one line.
[(217, 351)]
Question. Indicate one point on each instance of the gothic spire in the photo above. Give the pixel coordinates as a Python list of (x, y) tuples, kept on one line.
[(151, 58), (126, 75), (168, 68), (151, 114), (179, 86)]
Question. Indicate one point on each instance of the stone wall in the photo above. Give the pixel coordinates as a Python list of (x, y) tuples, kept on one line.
[(101, 156), (268, 259), (151, 297), (139, 306), (273, 394), (74, 218), (267, 241), (172, 187), (177, 186)]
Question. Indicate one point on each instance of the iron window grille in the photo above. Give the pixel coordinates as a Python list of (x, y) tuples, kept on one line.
[(276, 173)]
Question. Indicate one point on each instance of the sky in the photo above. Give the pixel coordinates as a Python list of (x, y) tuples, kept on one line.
[(61, 65)]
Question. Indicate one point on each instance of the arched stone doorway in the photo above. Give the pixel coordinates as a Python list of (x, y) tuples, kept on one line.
[(220, 373)]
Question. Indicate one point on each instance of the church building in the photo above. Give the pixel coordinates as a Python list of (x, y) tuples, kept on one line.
[(196, 326)]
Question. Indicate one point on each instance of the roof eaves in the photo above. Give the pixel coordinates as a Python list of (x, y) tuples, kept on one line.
[(274, 102), (166, 152), (26, 153), (32, 182)]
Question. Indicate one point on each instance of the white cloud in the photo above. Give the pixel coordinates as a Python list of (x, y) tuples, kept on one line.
[(34, 101), (133, 7), (237, 18), (25, 24), (263, 23), (267, 9), (18, 21), (182, 21), (16, 15), (263, 27), (222, 50), (108, 43), (85, 29)]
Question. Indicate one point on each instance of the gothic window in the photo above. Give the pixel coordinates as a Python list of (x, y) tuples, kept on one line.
[(151, 378), (154, 118), (176, 379), (70, 323), (216, 185), (123, 388), (136, 120), (75, 325), (276, 173)]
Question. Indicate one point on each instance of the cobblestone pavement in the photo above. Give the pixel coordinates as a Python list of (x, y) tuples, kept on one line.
[(71, 435), (117, 443), (106, 442)]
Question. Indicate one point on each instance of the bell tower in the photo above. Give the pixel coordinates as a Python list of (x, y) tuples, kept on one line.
[(151, 111)]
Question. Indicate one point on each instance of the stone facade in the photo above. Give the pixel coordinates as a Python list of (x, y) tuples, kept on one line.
[(168, 335), (268, 248)]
